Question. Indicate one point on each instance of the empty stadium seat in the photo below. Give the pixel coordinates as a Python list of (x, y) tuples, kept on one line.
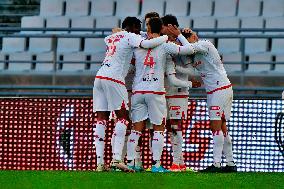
[(201, 8), (232, 57), (249, 8), (225, 8), (97, 59), (255, 45), (257, 68), (57, 22), (127, 7), (94, 45), (177, 8), (277, 44), (32, 22), (273, 8), (75, 8), (102, 8), (204, 22), (184, 22), (252, 22), (150, 6), (279, 67), (67, 66), (51, 8), (107, 22), (86, 22), (228, 23)]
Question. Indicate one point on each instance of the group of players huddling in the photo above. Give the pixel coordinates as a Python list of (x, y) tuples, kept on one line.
[(164, 58)]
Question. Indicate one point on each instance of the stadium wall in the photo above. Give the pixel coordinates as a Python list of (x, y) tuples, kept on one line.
[(57, 134)]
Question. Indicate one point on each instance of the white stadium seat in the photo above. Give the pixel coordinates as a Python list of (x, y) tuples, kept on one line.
[(257, 68), (199, 8), (73, 57), (150, 6), (99, 57), (107, 22), (273, 8), (102, 8), (184, 22), (252, 22), (178, 8), (51, 8), (32, 22), (232, 57), (249, 8), (204, 22), (277, 44), (19, 66), (127, 7), (225, 8), (228, 23), (75, 8), (57, 22), (46, 58), (86, 22), (13, 44), (94, 45), (279, 67)]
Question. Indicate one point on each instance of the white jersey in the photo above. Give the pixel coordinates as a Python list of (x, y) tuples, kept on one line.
[(119, 53), (150, 66), (211, 69), (183, 62)]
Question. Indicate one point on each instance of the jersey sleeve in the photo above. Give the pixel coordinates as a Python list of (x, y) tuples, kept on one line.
[(200, 47), (152, 43), (134, 40), (174, 49), (170, 66)]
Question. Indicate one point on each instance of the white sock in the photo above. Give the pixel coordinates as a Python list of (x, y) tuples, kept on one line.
[(227, 148), (157, 146), (124, 150), (138, 161), (218, 139), (179, 141), (174, 148), (119, 137), (131, 146), (99, 137)]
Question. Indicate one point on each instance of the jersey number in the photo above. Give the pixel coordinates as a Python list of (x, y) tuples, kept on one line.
[(111, 49), (149, 60)]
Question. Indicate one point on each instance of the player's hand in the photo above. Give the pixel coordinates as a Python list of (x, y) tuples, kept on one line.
[(186, 30), (115, 30), (173, 30), (195, 84)]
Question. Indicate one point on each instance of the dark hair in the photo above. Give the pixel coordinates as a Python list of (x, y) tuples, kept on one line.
[(152, 15), (186, 35), (156, 25), (170, 19), (130, 21)]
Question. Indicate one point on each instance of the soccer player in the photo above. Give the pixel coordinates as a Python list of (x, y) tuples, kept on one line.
[(110, 93), (148, 99), (219, 100)]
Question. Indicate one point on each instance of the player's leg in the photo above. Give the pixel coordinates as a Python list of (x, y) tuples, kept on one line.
[(138, 115), (100, 107), (227, 148), (157, 114), (215, 108)]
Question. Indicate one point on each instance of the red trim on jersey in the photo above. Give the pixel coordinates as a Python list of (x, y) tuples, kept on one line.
[(149, 92), (177, 96), (215, 108), (220, 88), (175, 107), (110, 79)]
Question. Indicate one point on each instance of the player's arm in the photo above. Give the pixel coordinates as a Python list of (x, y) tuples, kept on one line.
[(137, 41), (189, 70), (171, 75)]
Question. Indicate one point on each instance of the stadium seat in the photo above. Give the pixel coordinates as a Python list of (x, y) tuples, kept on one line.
[(273, 8), (228, 23), (184, 22), (256, 45), (57, 22), (75, 8), (249, 8), (107, 22), (51, 8), (279, 67), (127, 7), (204, 22), (277, 46), (252, 22), (272, 23), (13, 44), (16, 65), (179, 9), (232, 57), (97, 59), (73, 67), (257, 68), (225, 8), (94, 45), (86, 22), (102, 8), (150, 6), (201, 8), (32, 22)]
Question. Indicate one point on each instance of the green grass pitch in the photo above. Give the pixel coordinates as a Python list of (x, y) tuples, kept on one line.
[(84, 179)]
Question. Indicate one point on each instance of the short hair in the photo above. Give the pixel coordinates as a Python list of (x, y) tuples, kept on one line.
[(130, 21), (155, 24), (152, 15), (170, 19)]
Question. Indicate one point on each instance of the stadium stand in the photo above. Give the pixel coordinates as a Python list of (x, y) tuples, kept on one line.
[(84, 23)]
